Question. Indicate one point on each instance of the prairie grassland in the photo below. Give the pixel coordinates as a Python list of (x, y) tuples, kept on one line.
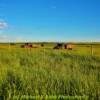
[(41, 71)]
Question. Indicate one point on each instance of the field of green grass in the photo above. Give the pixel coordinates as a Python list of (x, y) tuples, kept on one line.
[(45, 71)]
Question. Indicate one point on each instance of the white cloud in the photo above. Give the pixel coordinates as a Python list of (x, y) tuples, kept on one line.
[(3, 25)]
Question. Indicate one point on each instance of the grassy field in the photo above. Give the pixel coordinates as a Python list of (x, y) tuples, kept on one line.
[(45, 71)]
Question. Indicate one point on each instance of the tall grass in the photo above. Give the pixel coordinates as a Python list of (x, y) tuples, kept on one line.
[(48, 72)]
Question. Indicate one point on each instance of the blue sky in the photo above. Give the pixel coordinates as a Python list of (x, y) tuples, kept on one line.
[(49, 20)]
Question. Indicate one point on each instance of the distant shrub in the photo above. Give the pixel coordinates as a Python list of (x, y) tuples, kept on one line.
[(42, 45), (12, 44)]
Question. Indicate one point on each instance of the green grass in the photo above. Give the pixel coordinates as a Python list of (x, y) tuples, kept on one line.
[(49, 72)]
